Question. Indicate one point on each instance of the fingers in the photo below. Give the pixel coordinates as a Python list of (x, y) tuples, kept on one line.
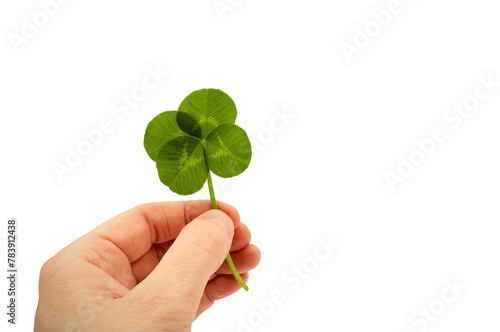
[(219, 288), (185, 269), (244, 260), (135, 230), (143, 266), (222, 283), (242, 237)]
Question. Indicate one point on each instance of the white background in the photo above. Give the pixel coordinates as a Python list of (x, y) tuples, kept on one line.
[(320, 175)]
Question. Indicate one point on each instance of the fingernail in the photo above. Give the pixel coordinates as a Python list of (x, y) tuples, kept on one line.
[(221, 219)]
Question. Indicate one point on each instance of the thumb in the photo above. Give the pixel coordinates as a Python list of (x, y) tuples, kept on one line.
[(180, 278)]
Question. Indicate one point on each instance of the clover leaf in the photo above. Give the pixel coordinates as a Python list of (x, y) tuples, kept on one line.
[(228, 150), (181, 165), (200, 138), (159, 131), (204, 110)]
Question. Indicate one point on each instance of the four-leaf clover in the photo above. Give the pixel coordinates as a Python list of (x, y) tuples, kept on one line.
[(198, 138)]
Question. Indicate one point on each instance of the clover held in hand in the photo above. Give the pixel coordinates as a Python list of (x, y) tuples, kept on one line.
[(199, 138)]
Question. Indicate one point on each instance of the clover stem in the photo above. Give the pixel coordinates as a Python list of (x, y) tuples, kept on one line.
[(229, 260), (212, 194)]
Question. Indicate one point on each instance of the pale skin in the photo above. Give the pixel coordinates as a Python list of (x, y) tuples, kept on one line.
[(128, 274)]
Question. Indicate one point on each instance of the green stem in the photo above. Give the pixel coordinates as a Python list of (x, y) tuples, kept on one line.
[(211, 190), (229, 260)]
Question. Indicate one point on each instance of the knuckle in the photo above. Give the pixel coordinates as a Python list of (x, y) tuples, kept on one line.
[(47, 268), (48, 272)]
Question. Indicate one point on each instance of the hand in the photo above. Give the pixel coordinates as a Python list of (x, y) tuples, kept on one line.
[(128, 274)]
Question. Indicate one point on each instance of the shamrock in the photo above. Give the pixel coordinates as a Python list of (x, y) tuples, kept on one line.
[(200, 138)]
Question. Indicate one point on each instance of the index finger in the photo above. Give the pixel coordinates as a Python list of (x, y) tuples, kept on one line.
[(135, 230)]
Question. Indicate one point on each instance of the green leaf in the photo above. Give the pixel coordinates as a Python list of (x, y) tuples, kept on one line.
[(160, 130), (204, 110), (228, 150), (181, 165)]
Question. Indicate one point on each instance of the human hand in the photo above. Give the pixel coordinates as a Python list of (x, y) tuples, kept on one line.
[(128, 274)]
